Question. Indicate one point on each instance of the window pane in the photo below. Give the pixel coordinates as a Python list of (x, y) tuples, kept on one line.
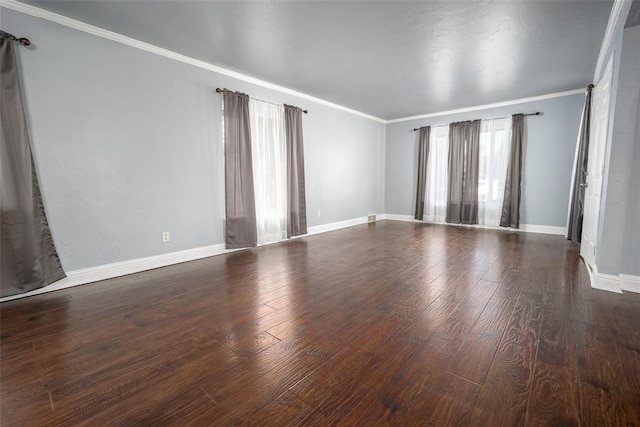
[(494, 151), (437, 165)]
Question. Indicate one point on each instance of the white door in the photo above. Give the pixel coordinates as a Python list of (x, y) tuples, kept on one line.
[(600, 107)]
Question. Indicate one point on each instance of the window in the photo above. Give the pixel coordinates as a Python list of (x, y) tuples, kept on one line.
[(495, 141), (268, 146), (437, 181)]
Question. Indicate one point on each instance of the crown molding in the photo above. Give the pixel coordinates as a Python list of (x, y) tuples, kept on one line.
[(128, 41), (489, 106)]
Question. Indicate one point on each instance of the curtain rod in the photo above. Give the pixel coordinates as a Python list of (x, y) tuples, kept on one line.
[(537, 113), (263, 100), (22, 40)]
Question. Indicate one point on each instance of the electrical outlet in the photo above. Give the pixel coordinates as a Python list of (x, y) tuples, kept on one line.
[(318, 214), (165, 237)]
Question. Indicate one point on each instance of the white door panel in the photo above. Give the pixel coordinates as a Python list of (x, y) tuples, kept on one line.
[(600, 108)]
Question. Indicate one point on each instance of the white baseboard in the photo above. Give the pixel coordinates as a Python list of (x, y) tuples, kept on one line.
[(396, 217), (630, 283), (117, 269), (606, 282), (544, 229), (612, 282), (603, 281), (527, 228), (317, 229), (110, 271)]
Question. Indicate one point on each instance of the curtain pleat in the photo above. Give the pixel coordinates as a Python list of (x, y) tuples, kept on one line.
[(240, 209), (576, 207), (423, 156), (296, 198), (510, 216), (464, 147), (456, 174), (29, 256)]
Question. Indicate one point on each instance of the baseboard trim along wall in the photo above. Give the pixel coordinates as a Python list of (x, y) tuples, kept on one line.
[(606, 282), (317, 229), (614, 283), (527, 228), (117, 269), (109, 271), (630, 283)]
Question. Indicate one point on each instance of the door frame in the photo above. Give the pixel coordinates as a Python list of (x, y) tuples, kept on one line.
[(598, 145)]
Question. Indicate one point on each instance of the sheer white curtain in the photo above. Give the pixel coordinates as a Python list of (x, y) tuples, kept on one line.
[(436, 191), (495, 143), (269, 170)]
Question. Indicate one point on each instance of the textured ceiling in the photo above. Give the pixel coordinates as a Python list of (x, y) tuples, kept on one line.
[(389, 59)]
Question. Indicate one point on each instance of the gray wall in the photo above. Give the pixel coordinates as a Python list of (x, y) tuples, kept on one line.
[(630, 262), (129, 144), (550, 142), (619, 195)]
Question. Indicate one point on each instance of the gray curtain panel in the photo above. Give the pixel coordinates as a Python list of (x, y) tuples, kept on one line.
[(423, 156), (510, 216), (240, 205), (576, 209), (29, 256), (464, 149), (296, 199)]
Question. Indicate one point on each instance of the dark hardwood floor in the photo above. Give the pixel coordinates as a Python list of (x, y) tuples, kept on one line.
[(383, 324)]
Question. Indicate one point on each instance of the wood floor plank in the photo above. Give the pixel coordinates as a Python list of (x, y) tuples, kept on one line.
[(462, 319), (448, 401), (382, 366), (554, 396), (474, 357), (495, 317), (330, 378), (461, 287), (604, 398), (630, 359), (391, 406), (527, 315), (343, 408), (422, 327), (287, 409), (399, 390), (247, 345), (387, 323), (110, 394), (559, 280), (153, 408), (497, 272), (479, 295), (508, 382), (280, 369)]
